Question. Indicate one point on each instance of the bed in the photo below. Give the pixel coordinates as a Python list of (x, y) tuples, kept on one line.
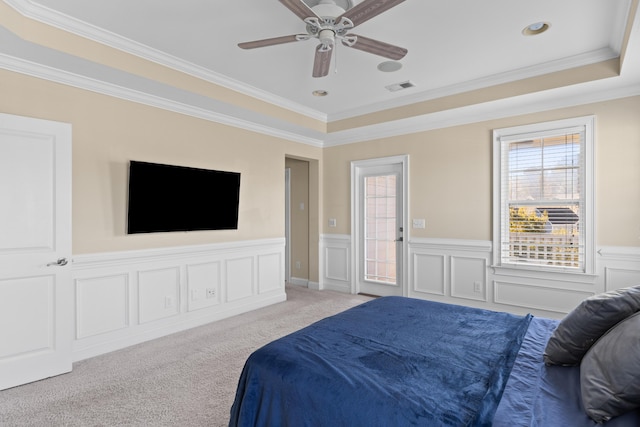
[(397, 361)]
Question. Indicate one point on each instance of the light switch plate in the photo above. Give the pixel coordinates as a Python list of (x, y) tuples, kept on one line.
[(418, 223)]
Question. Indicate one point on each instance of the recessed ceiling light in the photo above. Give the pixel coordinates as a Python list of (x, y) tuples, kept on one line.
[(536, 28), (389, 66), (320, 93)]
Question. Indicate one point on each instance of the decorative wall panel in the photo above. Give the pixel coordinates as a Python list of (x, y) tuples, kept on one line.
[(429, 273), (239, 283), (158, 293), (129, 297), (102, 305), (269, 273), (468, 278), (203, 285)]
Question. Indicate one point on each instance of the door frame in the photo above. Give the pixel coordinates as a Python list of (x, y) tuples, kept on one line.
[(357, 169), (287, 224)]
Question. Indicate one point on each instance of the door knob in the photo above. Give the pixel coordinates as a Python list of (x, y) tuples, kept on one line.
[(60, 262)]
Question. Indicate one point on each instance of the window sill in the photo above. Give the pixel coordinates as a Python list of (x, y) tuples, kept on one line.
[(544, 273)]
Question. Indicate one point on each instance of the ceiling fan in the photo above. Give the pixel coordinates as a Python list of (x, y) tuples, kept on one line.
[(326, 21)]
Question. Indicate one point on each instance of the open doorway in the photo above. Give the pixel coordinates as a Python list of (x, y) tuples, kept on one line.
[(297, 222)]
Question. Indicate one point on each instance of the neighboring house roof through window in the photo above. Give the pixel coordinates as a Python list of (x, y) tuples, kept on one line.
[(559, 216)]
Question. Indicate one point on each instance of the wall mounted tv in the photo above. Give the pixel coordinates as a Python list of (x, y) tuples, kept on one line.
[(176, 198)]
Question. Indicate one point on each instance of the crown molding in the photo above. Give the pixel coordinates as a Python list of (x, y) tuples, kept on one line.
[(83, 29), (520, 105), (525, 104), (57, 75), (568, 63)]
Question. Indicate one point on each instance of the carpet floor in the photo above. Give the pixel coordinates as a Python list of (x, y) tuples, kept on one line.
[(184, 379)]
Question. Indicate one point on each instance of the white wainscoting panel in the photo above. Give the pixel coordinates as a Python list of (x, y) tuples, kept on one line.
[(239, 278), (538, 297), (429, 273), (158, 293), (616, 278), (620, 266), (449, 270), (337, 269), (459, 271), (203, 285), (128, 297), (468, 277), (102, 305), (269, 273), (335, 262)]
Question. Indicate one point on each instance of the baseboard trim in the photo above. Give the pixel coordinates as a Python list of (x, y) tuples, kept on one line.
[(83, 351)]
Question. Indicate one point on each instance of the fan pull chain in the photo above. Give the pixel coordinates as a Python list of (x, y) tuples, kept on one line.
[(335, 58)]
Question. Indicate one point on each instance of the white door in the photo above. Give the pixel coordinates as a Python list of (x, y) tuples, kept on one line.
[(379, 226), (36, 326)]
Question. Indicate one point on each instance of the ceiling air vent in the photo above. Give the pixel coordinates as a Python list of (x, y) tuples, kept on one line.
[(399, 86)]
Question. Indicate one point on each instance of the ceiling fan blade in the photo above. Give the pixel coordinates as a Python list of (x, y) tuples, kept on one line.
[(366, 10), (322, 62), (299, 8), (376, 47), (272, 41)]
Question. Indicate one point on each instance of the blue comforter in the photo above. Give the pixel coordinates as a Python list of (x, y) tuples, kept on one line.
[(392, 361)]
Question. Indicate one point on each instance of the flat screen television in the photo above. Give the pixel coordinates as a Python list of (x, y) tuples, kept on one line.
[(175, 198)]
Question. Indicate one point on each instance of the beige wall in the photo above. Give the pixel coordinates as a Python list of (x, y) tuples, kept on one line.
[(299, 217), (108, 132), (450, 179)]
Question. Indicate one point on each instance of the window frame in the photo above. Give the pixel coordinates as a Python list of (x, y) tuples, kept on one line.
[(501, 138)]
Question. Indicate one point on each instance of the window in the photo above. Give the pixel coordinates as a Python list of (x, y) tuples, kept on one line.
[(543, 196), (380, 228)]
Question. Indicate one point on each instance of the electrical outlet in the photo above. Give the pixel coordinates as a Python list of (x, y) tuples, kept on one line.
[(168, 301), (477, 286), (211, 293), (195, 294)]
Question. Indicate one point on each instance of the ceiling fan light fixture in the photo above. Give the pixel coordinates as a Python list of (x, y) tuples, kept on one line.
[(536, 28), (320, 93), (327, 37)]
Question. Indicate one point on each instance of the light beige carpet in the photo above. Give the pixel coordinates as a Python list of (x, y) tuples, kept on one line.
[(185, 379)]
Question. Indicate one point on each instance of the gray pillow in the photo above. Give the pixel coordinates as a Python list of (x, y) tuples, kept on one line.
[(610, 372), (577, 332)]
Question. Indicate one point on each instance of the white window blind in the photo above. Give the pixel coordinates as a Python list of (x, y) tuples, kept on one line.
[(543, 198)]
